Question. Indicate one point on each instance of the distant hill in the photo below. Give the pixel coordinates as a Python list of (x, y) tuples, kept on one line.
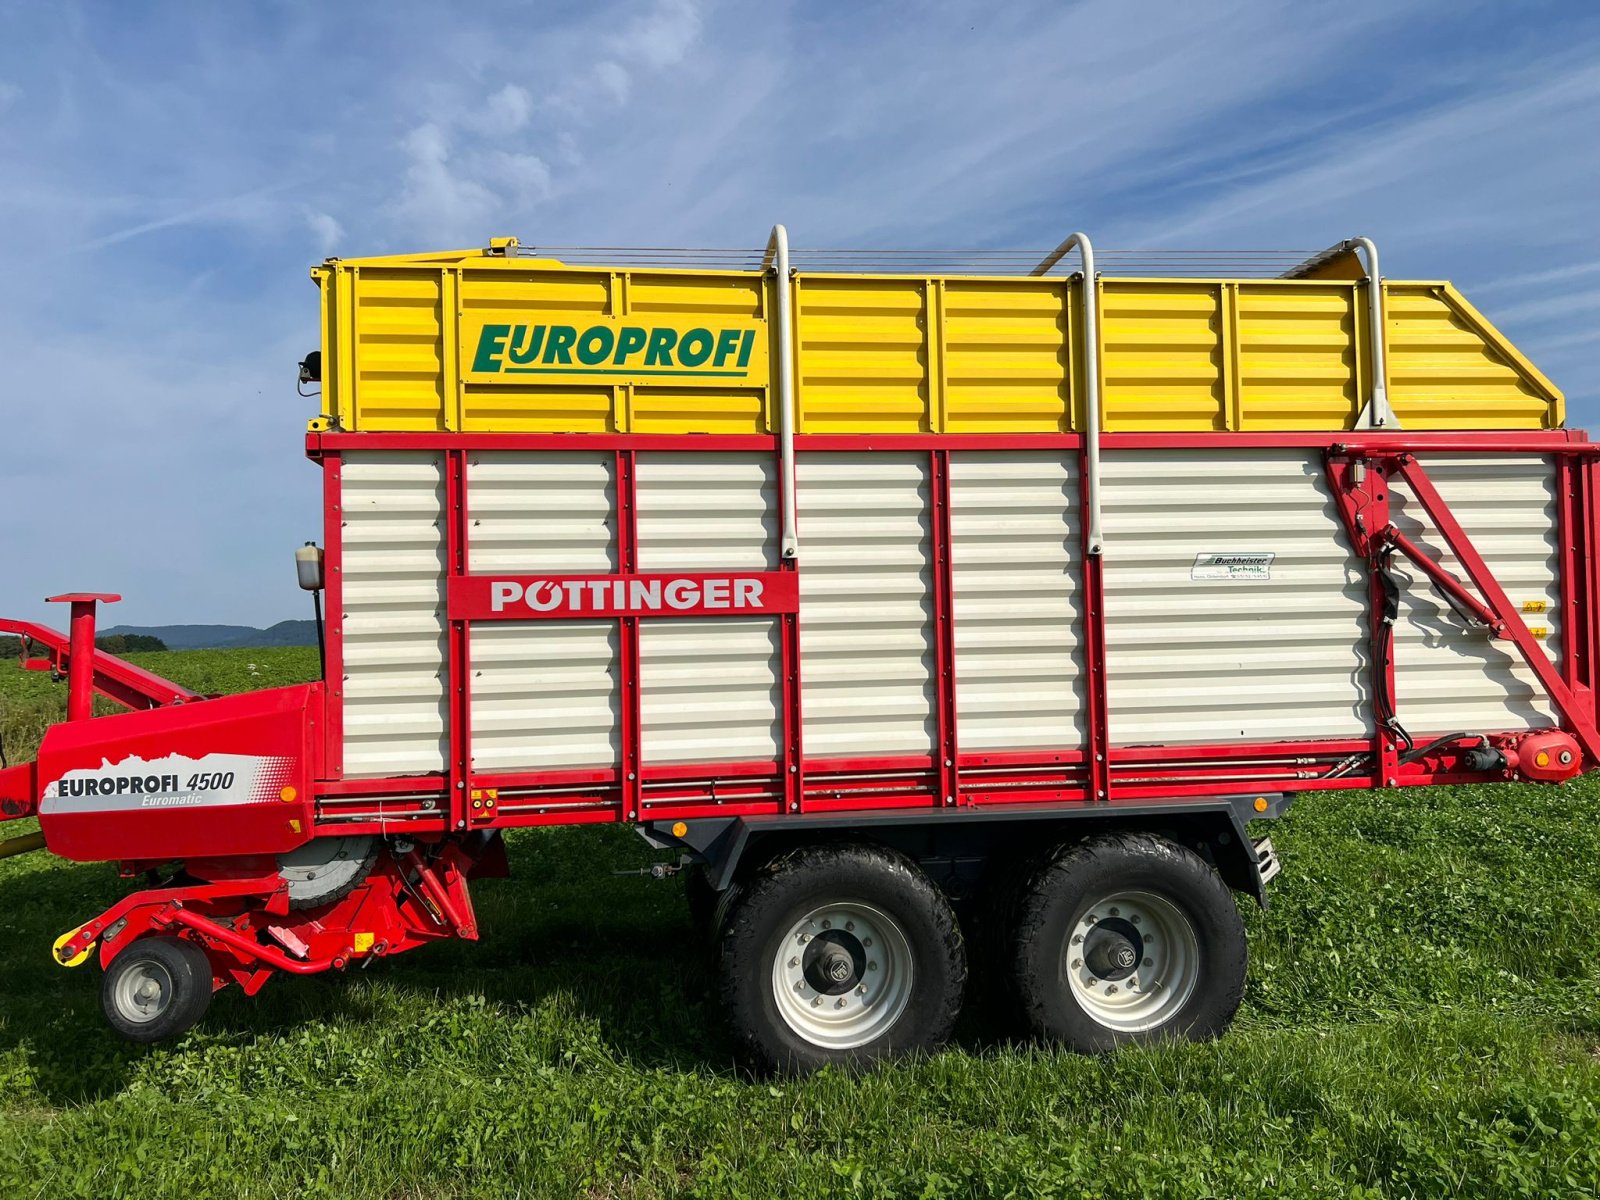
[(223, 637)]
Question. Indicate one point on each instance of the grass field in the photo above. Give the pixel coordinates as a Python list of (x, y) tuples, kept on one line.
[(1423, 1019)]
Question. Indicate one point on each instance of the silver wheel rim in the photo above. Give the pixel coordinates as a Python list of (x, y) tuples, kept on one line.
[(143, 992), (1133, 961), (843, 974)]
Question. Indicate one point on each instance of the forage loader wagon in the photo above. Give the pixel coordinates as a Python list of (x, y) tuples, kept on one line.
[(874, 589)]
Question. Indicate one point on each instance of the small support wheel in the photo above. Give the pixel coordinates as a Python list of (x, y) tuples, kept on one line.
[(840, 954), (157, 988), (1128, 938)]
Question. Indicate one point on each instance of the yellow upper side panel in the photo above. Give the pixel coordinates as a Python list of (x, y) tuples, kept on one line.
[(435, 343)]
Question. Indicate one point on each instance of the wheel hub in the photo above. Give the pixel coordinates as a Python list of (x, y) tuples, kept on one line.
[(834, 962), (1112, 949)]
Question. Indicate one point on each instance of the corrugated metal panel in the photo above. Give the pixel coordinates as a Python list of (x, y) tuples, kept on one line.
[(544, 693), (541, 511), (866, 666), (1005, 356), (862, 366), (1449, 677), (399, 360), (1196, 661), (1296, 362), (1450, 369), (1161, 354), (1015, 545), (393, 624), (709, 690)]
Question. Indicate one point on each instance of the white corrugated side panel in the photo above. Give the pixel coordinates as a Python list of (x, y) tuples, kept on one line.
[(544, 693), (866, 606), (1015, 543), (709, 689), (393, 623), (1449, 677), (1196, 661)]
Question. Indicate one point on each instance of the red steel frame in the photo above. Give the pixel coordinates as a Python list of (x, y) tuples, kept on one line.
[(1090, 772)]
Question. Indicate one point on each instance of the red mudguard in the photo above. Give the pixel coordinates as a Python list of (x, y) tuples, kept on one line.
[(210, 779)]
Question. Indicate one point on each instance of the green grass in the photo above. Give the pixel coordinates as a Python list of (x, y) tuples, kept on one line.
[(1423, 1019)]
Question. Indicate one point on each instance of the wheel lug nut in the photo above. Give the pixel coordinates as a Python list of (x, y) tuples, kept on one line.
[(1077, 964), (1134, 918), (799, 985), (1149, 962), (1116, 912), (840, 1003), (805, 937), (872, 966), (816, 1002), (794, 962), (827, 924), (850, 926), (1077, 938), (861, 989), (866, 941), (1112, 990)]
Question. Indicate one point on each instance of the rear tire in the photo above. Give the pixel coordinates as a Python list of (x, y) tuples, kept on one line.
[(1128, 939), (157, 988), (840, 954)]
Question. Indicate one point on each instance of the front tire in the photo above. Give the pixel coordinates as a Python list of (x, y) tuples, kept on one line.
[(157, 988), (1128, 939), (840, 954)]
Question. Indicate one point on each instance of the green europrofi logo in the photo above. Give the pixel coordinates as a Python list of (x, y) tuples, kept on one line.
[(607, 349)]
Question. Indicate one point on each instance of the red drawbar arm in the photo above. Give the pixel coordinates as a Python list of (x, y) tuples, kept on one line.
[(130, 686)]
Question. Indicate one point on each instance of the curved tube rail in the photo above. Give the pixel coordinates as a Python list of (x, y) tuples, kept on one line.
[(1091, 378)]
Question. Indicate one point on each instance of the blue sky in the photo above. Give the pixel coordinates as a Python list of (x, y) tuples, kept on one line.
[(169, 171)]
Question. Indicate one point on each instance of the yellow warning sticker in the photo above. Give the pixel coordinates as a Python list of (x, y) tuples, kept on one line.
[(363, 942), (1539, 631), (1535, 606)]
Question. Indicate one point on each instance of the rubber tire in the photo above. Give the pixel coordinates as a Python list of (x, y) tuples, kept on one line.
[(185, 963), (1063, 889), (779, 894)]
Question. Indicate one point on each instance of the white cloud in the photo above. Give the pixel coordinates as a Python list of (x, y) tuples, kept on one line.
[(505, 112), (614, 80), (326, 230), (662, 37)]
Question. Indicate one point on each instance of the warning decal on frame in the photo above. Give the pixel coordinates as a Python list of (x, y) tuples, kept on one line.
[(1247, 564)]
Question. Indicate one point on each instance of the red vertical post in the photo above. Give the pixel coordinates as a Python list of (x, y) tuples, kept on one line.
[(1573, 540), (1097, 709), (628, 637), (1364, 506), (949, 789), (792, 760), (458, 643), (1589, 474), (80, 650), (333, 609)]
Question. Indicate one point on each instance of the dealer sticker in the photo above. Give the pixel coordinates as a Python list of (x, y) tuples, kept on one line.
[(1233, 564)]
